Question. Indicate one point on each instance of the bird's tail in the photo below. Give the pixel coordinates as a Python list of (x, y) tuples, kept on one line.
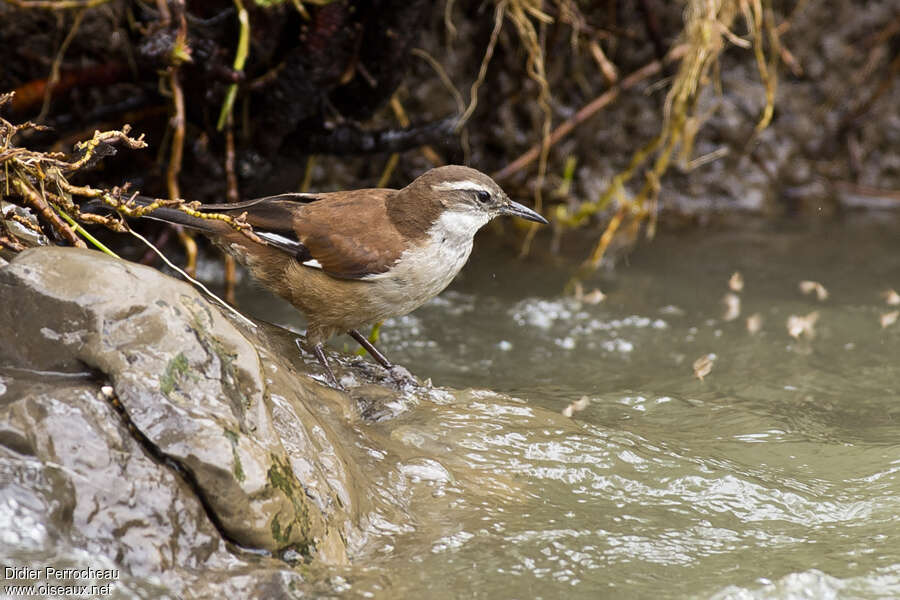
[(166, 214)]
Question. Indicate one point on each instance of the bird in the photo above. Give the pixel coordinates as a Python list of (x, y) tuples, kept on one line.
[(348, 259)]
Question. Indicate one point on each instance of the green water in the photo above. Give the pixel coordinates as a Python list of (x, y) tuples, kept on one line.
[(774, 477)]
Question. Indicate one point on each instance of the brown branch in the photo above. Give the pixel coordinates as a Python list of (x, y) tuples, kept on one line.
[(588, 111), (56, 66), (110, 222), (88, 147), (39, 179), (130, 209), (11, 243), (230, 279), (165, 17), (26, 223), (37, 201), (12, 152), (7, 237), (232, 194), (180, 52), (177, 150), (56, 4)]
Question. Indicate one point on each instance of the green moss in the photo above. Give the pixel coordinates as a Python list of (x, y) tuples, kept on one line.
[(281, 477), (200, 319), (177, 368), (238, 468), (282, 537)]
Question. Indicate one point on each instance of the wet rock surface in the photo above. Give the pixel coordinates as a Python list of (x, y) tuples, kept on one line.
[(139, 425), (144, 432), (80, 492)]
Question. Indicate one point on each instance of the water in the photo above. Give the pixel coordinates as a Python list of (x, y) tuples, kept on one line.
[(774, 477)]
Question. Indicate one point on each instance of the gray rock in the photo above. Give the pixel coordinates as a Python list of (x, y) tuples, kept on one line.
[(232, 417), (78, 490), (26, 235), (141, 430)]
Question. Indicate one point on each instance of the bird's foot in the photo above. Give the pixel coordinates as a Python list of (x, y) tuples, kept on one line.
[(319, 352), (398, 375)]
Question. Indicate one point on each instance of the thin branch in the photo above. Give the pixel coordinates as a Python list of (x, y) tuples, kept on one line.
[(57, 62), (33, 198), (586, 112), (485, 61), (240, 57), (56, 4)]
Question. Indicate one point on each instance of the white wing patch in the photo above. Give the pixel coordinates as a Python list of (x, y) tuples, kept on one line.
[(286, 243), (278, 239)]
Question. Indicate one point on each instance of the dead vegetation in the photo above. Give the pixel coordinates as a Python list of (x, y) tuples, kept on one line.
[(40, 181), (707, 32), (219, 96)]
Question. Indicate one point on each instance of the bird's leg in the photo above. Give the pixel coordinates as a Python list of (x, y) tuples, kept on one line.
[(320, 354), (398, 373), (380, 358)]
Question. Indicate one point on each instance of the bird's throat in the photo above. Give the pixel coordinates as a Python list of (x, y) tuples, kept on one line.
[(459, 226)]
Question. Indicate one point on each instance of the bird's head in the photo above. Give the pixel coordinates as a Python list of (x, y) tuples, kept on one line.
[(469, 197)]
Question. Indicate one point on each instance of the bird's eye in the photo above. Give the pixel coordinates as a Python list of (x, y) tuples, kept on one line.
[(483, 197)]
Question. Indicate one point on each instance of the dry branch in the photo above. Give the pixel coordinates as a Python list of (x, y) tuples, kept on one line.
[(586, 112)]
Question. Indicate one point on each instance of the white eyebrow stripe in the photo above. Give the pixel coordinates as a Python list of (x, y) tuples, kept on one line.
[(312, 263), (461, 185)]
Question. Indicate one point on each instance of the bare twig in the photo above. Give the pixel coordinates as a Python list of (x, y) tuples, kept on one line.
[(11, 243), (57, 61), (232, 193), (56, 4), (609, 70), (485, 61), (230, 279), (427, 151), (177, 148), (180, 53), (240, 57), (37, 201), (308, 173), (586, 112)]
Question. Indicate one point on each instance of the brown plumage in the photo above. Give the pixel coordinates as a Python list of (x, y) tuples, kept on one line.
[(352, 258)]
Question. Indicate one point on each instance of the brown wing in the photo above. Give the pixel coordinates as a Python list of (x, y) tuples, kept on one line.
[(350, 234)]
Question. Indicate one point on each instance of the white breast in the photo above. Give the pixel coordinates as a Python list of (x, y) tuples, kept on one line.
[(421, 274)]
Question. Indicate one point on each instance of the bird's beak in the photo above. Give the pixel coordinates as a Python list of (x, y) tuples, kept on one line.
[(517, 210)]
